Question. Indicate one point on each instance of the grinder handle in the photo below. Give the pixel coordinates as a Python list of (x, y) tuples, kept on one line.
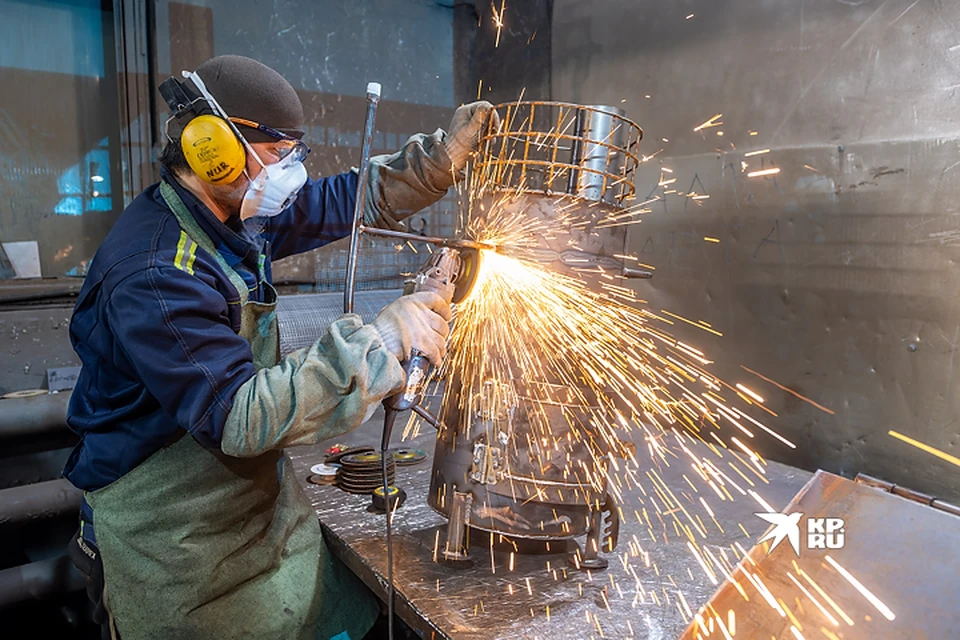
[(440, 280), (417, 370)]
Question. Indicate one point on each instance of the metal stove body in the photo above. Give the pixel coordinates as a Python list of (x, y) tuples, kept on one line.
[(514, 467)]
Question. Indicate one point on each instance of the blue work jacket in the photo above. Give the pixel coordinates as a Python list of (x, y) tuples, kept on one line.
[(156, 323)]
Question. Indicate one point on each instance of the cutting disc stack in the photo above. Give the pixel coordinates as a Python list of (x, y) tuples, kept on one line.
[(362, 473)]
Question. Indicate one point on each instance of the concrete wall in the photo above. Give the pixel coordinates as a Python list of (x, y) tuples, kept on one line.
[(836, 277), (500, 69)]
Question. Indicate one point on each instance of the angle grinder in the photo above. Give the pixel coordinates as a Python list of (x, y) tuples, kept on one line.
[(451, 274)]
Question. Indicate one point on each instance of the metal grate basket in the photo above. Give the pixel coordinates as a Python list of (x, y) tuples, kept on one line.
[(560, 148)]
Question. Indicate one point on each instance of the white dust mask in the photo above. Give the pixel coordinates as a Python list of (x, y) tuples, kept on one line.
[(274, 189)]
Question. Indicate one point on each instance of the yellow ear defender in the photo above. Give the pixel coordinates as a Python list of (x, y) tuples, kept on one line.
[(212, 149)]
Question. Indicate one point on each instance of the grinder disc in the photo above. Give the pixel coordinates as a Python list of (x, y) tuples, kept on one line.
[(469, 268), (325, 470), (406, 457), (26, 393)]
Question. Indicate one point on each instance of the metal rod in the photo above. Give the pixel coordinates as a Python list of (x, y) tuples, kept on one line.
[(946, 506), (642, 274), (909, 494), (390, 417), (412, 237), (576, 152), (373, 99)]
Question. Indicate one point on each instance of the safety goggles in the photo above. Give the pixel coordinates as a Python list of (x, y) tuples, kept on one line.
[(288, 148)]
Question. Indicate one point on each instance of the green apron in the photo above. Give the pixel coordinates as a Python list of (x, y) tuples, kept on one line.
[(198, 544)]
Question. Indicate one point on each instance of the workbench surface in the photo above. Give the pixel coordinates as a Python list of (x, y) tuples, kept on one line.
[(542, 597)]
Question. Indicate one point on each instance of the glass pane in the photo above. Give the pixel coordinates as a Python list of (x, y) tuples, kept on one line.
[(59, 137)]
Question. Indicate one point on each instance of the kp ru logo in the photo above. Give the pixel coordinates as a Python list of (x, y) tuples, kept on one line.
[(822, 533), (825, 533)]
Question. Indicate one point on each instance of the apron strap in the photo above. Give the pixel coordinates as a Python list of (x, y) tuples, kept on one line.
[(193, 230)]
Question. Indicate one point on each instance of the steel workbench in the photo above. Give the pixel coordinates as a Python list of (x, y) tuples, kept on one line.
[(542, 597)]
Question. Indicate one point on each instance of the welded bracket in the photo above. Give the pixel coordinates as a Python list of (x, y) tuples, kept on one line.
[(487, 465), (455, 550)]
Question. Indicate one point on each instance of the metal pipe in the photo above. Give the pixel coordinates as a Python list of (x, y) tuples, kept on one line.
[(35, 415), (946, 506), (603, 137), (909, 494), (41, 500), (412, 237), (373, 99), (642, 274), (36, 297), (871, 481), (39, 580)]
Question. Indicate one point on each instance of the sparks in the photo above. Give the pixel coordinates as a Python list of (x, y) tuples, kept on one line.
[(752, 394), (764, 172), (498, 18), (866, 593), (553, 343), (712, 122), (925, 447), (788, 390)]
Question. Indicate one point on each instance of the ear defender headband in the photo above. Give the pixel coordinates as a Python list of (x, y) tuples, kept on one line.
[(211, 143)]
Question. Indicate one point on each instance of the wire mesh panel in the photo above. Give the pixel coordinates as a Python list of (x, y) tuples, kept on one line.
[(561, 148), (305, 318)]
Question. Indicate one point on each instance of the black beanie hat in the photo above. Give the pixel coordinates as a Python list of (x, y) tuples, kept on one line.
[(249, 89)]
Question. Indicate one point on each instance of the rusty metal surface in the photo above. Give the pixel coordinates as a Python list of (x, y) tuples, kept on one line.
[(488, 600), (902, 551), (836, 277)]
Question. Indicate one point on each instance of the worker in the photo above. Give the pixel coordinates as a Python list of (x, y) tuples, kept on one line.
[(192, 524)]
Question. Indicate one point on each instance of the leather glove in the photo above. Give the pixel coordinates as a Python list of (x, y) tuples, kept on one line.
[(469, 121), (416, 321)]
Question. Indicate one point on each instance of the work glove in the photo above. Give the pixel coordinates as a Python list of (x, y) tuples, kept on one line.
[(469, 121), (415, 321)]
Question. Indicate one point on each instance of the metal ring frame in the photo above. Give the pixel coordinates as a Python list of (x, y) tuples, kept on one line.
[(561, 148)]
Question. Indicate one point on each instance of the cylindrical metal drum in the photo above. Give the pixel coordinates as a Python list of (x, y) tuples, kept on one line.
[(527, 450), (558, 148)]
